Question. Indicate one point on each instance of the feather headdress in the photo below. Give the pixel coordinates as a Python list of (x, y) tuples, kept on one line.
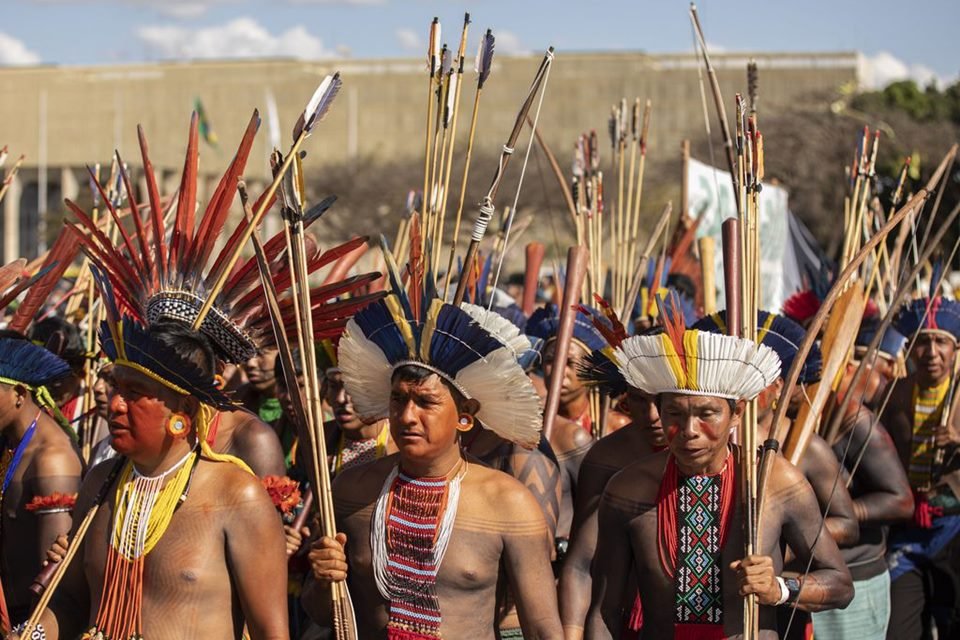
[(474, 350), (781, 334), (602, 367), (127, 342), (892, 345), (165, 274), (943, 317), (544, 322), (693, 362)]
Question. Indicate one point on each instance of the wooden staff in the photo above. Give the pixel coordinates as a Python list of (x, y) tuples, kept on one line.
[(577, 259), (816, 323), (344, 626), (634, 235), (531, 279), (730, 236), (623, 264), (433, 66), (47, 581), (487, 208), (432, 200)]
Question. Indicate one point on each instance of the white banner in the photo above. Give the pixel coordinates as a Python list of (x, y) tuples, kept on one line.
[(711, 192)]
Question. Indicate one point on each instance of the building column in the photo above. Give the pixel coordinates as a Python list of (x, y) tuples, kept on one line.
[(11, 221)]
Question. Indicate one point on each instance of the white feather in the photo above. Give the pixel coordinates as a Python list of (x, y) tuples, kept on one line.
[(509, 403), (366, 373), (727, 367), (502, 329)]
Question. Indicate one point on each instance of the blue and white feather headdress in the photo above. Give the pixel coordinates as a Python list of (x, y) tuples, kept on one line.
[(473, 349)]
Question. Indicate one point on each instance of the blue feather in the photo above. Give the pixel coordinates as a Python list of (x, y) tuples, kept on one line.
[(25, 362), (380, 327), (458, 341)]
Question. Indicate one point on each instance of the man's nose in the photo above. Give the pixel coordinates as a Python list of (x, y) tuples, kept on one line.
[(117, 404)]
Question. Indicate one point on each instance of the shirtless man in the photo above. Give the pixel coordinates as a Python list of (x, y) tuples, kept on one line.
[(220, 564), (498, 524), (914, 418), (647, 510), (880, 490), (479, 529), (41, 461), (569, 445), (643, 436), (818, 463)]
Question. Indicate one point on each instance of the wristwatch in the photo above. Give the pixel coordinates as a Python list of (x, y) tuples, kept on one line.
[(789, 590)]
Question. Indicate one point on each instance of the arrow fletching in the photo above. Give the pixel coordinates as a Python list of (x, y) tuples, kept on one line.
[(433, 48), (318, 105), (484, 57), (446, 61), (451, 99)]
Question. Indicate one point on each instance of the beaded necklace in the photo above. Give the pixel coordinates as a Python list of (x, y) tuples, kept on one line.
[(354, 452), (412, 525), (144, 508)]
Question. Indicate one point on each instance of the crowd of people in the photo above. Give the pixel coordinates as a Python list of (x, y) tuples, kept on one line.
[(168, 482)]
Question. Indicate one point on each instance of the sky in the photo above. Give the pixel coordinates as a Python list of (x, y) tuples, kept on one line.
[(897, 39)]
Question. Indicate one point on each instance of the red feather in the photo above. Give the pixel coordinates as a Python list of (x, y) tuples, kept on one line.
[(232, 243), (138, 223), (282, 280), (619, 333), (156, 210), (99, 244), (61, 256), (215, 215), (134, 254), (186, 203)]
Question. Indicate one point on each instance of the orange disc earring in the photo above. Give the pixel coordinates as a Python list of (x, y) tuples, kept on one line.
[(465, 423), (178, 424)]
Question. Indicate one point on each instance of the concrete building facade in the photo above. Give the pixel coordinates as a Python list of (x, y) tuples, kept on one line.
[(64, 118)]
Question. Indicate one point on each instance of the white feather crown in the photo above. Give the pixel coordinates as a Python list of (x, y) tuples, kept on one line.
[(697, 363)]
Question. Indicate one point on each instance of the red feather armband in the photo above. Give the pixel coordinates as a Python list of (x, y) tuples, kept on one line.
[(53, 503)]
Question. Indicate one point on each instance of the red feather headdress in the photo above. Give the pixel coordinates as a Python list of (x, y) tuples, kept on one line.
[(165, 274)]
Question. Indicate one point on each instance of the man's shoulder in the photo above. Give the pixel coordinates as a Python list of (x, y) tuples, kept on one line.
[(497, 497), (568, 437), (55, 453), (613, 449), (363, 482), (636, 484), (228, 484)]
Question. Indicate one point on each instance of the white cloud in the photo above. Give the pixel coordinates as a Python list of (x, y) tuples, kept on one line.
[(879, 70), (238, 38), (410, 40), (508, 43), (15, 52)]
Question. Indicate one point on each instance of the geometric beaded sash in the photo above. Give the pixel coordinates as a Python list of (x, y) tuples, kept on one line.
[(699, 596)]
